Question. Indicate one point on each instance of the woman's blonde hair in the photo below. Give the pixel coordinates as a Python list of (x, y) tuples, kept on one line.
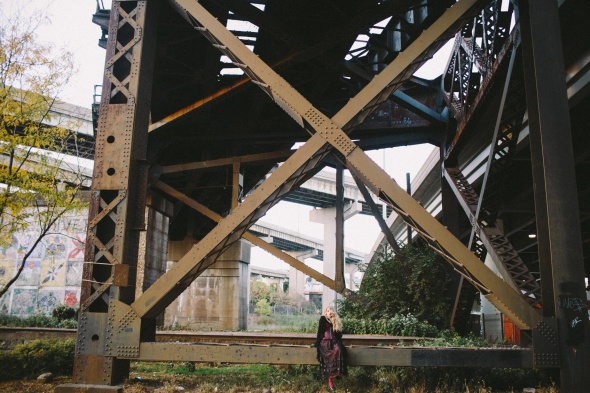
[(334, 319)]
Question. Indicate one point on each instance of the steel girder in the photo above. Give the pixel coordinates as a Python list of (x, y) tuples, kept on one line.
[(328, 136), (494, 242), (555, 343), (556, 204), (108, 328), (302, 267), (330, 131), (356, 356)]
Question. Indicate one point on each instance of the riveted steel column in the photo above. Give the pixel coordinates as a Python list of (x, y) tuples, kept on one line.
[(108, 329), (556, 205)]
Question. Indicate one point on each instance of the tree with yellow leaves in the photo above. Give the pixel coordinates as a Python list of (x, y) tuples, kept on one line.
[(39, 181)]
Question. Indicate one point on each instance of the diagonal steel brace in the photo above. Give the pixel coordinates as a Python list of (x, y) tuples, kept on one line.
[(331, 131)]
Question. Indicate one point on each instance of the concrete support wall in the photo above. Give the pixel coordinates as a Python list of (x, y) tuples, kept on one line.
[(296, 282), (153, 246), (218, 298)]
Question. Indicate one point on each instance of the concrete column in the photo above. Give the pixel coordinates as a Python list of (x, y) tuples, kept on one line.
[(218, 298), (350, 269), (153, 245), (297, 278), (327, 216)]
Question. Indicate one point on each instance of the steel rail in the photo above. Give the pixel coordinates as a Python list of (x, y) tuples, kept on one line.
[(11, 336)]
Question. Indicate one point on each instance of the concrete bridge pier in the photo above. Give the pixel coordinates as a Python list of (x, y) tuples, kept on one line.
[(153, 245), (218, 298), (297, 278), (327, 217), (350, 270)]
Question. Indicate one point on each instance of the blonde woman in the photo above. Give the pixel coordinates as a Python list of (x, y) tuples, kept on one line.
[(331, 352)]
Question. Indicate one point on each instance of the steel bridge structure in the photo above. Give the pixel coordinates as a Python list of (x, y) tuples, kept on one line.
[(203, 101)]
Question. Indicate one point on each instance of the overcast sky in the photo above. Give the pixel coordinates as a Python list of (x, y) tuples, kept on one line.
[(71, 27)]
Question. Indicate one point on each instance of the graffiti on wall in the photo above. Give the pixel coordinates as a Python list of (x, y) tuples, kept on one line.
[(52, 273)]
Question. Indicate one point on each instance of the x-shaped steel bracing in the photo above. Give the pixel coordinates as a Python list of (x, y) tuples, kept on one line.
[(329, 134)]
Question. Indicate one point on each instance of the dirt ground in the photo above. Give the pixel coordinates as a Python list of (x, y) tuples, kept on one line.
[(134, 386), (32, 386), (144, 385)]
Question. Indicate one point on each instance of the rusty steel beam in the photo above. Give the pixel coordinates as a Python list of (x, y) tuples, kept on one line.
[(356, 355), (231, 228), (331, 130), (185, 270), (556, 204), (118, 201), (462, 110), (226, 161), (339, 257), (509, 264), (294, 262)]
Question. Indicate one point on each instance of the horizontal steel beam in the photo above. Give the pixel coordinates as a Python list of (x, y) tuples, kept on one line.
[(302, 267), (356, 355), (277, 155)]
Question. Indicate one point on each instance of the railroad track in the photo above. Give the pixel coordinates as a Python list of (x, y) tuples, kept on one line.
[(292, 348), (11, 336)]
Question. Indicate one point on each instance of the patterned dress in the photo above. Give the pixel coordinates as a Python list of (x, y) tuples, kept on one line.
[(331, 353)]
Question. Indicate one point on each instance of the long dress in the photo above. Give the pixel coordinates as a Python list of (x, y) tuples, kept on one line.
[(330, 350)]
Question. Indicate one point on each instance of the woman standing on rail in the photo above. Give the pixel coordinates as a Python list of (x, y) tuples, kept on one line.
[(331, 352)]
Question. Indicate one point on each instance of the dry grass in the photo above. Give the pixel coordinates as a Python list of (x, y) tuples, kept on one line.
[(211, 379)]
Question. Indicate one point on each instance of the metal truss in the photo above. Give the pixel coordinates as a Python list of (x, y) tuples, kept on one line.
[(118, 201), (325, 130), (480, 52), (491, 239), (114, 328), (479, 49)]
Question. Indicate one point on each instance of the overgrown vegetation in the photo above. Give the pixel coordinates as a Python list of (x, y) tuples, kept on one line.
[(63, 318), (207, 377), (63, 312), (414, 281), (398, 325), (287, 323), (36, 357)]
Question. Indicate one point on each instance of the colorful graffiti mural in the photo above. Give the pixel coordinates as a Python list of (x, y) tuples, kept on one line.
[(53, 272)]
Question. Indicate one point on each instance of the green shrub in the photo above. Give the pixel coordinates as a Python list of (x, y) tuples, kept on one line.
[(37, 357), (414, 280), (452, 339), (64, 312), (68, 324), (398, 325), (263, 307), (39, 320)]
